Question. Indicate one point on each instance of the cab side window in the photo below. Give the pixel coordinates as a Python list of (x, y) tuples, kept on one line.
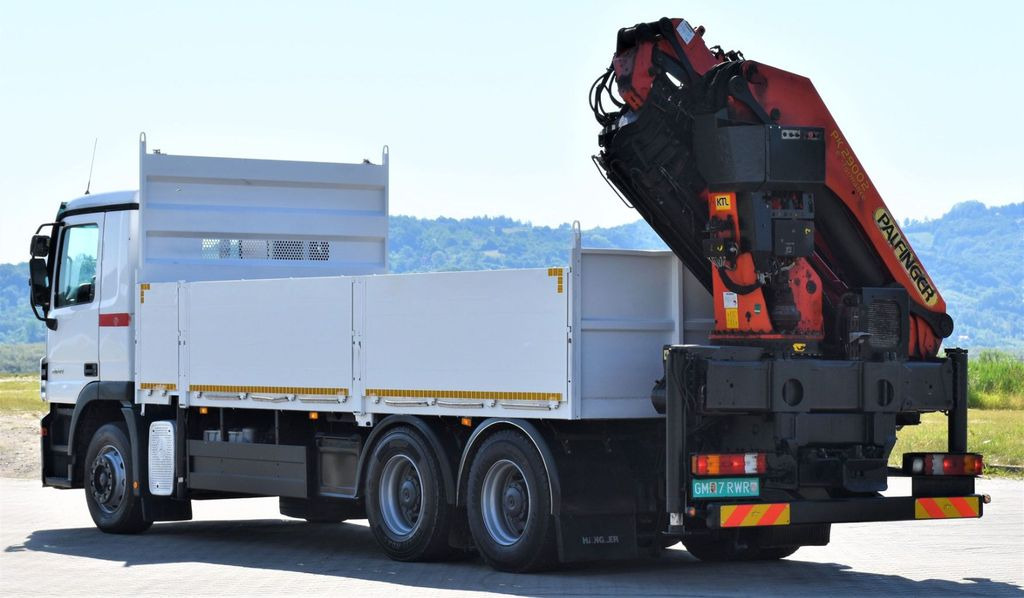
[(76, 274)]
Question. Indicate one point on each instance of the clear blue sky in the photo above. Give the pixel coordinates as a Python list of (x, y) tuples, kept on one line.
[(482, 104)]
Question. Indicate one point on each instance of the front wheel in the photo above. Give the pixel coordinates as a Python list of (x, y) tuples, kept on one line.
[(509, 505), (108, 493)]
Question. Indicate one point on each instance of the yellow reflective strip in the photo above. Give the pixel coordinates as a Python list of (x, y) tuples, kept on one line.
[(972, 502), (753, 516), (946, 508), (464, 394), (291, 390), (559, 274), (757, 515), (157, 386)]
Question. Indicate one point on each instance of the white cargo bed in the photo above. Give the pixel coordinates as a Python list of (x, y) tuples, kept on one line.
[(262, 284), (569, 342)]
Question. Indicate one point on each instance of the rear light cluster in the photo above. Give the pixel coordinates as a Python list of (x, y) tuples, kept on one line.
[(942, 464), (729, 464)]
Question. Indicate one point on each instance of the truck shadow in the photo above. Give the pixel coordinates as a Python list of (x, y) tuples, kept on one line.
[(348, 551)]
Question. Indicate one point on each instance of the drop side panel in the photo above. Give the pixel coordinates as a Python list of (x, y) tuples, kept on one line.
[(484, 343), (285, 344), (156, 354)]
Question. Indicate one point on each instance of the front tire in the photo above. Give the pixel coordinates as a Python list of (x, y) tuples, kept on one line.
[(405, 498), (108, 466), (509, 505)]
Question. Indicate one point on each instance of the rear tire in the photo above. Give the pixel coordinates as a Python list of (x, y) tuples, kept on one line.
[(405, 498), (108, 493), (509, 505)]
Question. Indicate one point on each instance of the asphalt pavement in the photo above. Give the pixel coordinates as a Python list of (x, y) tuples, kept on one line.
[(244, 547)]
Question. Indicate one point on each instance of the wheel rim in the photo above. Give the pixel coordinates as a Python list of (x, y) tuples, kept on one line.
[(505, 502), (108, 480), (401, 495)]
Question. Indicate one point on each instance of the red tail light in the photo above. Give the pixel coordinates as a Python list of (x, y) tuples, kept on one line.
[(728, 464), (942, 464)]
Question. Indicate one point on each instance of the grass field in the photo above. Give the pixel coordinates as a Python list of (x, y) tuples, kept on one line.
[(20, 393), (995, 380), (996, 434)]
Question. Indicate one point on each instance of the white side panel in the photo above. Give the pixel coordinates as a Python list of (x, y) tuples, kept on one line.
[(270, 343), (477, 343), (630, 304), (156, 330), (699, 312), (117, 297), (229, 219)]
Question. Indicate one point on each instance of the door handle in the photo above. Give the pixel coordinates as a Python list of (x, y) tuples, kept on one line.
[(91, 369)]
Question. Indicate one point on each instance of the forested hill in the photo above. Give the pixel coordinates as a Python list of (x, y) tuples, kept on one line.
[(974, 254)]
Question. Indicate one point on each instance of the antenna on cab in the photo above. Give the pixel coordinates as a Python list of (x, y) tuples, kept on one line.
[(91, 163)]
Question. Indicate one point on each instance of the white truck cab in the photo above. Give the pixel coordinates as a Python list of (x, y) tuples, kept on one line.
[(90, 316)]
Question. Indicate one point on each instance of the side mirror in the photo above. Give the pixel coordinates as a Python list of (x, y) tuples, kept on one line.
[(40, 246), (38, 282)]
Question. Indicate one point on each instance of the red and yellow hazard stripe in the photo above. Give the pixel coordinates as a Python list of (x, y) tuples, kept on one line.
[(754, 515), (946, 508)]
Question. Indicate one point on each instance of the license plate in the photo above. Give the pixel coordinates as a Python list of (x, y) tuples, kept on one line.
[(726, 487)]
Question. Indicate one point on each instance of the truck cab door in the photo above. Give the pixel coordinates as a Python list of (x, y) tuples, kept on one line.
[(73, 346)]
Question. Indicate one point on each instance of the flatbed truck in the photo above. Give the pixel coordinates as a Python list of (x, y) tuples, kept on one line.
[(230, 329)]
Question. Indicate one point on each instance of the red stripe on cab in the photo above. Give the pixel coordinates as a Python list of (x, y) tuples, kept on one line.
[(115, 319)]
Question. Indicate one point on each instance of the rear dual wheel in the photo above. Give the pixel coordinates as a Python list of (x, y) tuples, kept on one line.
[(405, 498), (509, 504)]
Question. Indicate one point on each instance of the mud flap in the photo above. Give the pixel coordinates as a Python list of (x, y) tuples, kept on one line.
[(154, 508), (591, 537), (598, 516)]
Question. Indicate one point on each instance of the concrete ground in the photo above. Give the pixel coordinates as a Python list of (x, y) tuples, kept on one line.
[(244, 547)]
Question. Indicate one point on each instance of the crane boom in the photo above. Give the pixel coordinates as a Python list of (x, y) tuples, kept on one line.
[(742, 170)]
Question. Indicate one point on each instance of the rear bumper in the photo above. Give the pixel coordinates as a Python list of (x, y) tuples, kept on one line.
[(902, 508)]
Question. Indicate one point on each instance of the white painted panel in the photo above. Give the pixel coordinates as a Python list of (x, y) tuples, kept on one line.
[(117, 343), (630, 304), (229, 219), (488, 334), (699, 311), (280, 334), (156, 328)]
